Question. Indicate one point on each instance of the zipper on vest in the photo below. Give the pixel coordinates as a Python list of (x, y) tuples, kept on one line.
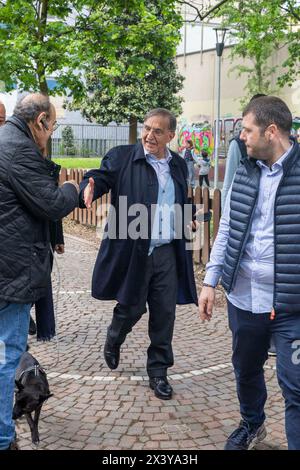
[(274, 235), (243, 245)]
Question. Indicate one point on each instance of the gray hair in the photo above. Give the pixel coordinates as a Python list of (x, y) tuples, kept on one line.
[(30, 106), (165, 113)]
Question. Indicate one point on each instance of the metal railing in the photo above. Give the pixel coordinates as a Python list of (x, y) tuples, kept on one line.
[(88, 140)]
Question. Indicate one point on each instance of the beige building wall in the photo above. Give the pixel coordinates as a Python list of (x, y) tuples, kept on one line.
[(199, 70)]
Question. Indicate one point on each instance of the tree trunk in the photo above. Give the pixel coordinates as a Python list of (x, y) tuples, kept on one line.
[(132, 130), (41, 69)]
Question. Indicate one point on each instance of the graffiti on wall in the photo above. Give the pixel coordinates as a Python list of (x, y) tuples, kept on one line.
[(201, 135)]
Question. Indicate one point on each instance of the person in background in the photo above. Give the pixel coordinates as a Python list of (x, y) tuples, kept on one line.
[(236, 153), (189, 158), (204, 167)]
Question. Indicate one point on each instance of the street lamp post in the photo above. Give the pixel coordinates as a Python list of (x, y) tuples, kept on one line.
[(220, 38)]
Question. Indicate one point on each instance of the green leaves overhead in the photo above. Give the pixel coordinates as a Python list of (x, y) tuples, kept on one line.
[(60, 38), (133, 70), (260, 27), (34, 42)]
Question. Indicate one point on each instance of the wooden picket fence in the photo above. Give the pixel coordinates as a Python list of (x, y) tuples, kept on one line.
[(99, 209), (211, 202)]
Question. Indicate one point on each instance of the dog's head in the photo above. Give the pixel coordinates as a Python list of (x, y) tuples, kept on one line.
[(28, 399)]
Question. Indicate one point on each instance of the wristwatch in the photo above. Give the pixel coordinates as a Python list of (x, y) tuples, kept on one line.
[(208, 285)]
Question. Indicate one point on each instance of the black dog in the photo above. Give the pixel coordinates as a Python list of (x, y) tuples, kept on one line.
[(32, 390)]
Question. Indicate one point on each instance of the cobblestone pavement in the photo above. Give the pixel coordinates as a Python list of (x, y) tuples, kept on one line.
[(95, 408)]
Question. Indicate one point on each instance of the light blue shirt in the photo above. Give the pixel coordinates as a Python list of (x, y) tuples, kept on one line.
[(163, 231), (161, 166), (254, 287)]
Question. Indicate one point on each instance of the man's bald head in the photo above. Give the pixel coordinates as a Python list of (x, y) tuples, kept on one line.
[(31, 106), (39, 114), (2, 114)]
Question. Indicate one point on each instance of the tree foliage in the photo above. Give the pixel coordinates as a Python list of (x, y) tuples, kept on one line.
[(36, 42), (42, 38), (140, 72), (67, 137), (259, 28)]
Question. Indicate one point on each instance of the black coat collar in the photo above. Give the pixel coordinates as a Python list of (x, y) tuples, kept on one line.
[(20, 124)]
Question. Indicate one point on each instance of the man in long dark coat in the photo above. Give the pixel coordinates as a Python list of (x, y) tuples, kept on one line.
[(146, 260)]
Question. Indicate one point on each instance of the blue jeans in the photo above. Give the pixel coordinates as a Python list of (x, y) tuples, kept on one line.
[(191, 174), (14, 324), (251, 334)]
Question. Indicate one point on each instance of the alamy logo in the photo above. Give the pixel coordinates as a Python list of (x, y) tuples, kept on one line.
[(296, 354), (156, 221), (2, 352)]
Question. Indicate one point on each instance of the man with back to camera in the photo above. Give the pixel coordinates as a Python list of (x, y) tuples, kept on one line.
[(236, 153), (156, 269), (29, 199), (257, 253)]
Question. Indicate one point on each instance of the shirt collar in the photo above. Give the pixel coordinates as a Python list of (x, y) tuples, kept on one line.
[(277, 164), (165, 160)]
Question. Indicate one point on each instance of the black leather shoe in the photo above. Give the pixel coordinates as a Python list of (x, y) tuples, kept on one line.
[(111, 355), (162, 388)]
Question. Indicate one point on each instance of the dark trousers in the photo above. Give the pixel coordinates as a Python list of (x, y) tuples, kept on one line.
[(205, 178), (160, 292), (45, 317), (250, 343)]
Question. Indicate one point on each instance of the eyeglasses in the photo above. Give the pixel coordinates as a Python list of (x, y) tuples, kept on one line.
[(158, 132)]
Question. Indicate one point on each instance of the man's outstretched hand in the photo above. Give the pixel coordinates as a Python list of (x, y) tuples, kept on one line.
[(206, 303), (89, 193)]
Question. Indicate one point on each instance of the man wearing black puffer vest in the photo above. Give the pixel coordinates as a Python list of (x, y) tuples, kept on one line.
[(29, 199), (257, 255)]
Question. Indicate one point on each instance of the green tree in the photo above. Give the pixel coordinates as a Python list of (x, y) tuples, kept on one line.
[(132, 96), (68, 39), (291, 10), (36, 42), (42, 38), (140, 73), (259, 28), (67, 136)]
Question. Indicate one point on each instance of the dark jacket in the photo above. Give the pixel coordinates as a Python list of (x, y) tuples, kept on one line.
[(29, 199), (286, 229), (120, 265)]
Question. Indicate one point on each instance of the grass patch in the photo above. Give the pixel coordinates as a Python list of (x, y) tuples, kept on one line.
[(81, 163)]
